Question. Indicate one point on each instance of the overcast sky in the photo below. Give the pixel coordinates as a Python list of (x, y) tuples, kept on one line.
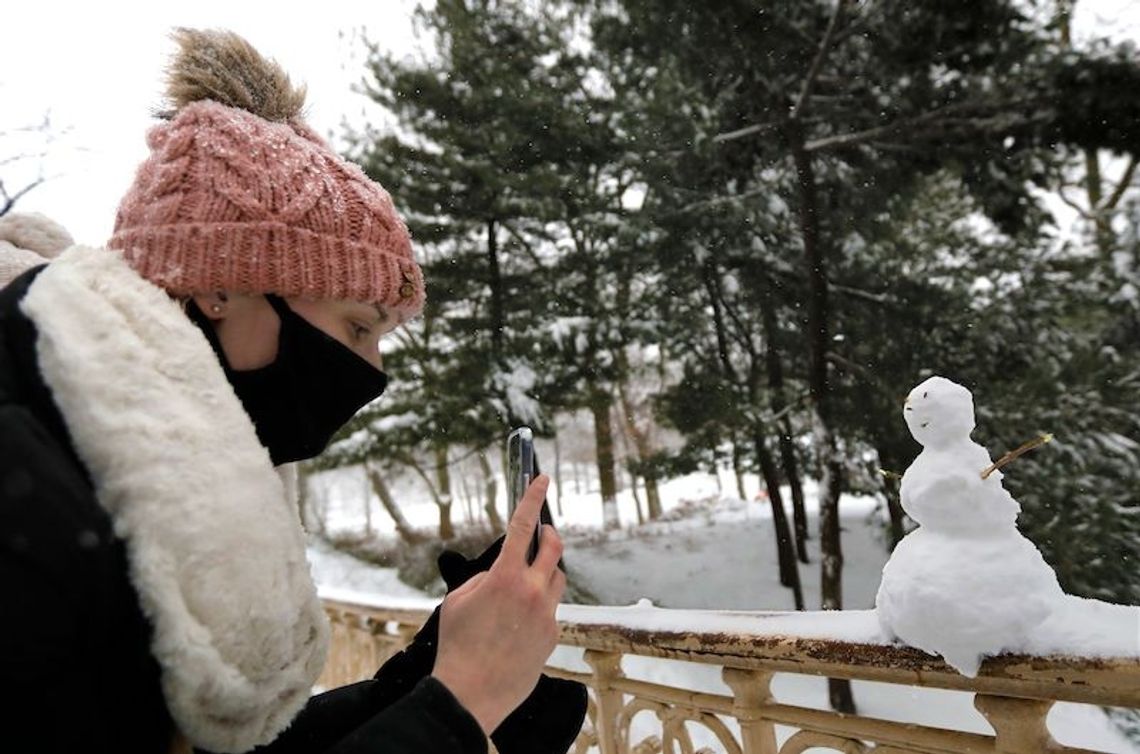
[(97, 68)]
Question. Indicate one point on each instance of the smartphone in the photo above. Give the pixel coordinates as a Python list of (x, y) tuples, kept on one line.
[(520, 473)]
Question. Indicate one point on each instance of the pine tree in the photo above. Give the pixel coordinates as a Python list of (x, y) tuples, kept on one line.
[(499, 159)]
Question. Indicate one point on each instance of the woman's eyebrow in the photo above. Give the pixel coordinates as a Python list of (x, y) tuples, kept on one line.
[(383, 315)]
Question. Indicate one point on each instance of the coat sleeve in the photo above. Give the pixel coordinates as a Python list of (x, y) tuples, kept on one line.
[(71, 669), (350, 720)]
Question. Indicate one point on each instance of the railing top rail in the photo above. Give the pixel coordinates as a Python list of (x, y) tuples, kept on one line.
[(844, 646)]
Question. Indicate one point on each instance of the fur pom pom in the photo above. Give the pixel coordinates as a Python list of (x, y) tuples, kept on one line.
[(219, 65)]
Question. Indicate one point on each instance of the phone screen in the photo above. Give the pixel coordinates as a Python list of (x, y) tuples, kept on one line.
[(520, 473)]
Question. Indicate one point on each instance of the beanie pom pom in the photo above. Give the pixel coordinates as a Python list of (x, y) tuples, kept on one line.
[(219, 65)]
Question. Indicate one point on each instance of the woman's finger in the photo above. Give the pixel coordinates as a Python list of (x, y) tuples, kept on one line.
[(521, 526), (549, 551)]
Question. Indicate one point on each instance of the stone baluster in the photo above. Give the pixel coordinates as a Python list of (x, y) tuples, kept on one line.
[(609, 701), (1019, 724), (751, 690), (377, 644), (406, 632), (338, 647)]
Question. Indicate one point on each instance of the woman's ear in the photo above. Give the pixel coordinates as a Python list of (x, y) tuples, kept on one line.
[(213, 305)]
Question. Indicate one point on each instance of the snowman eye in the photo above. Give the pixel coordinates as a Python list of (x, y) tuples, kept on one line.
[(925, 394), (925, 425)]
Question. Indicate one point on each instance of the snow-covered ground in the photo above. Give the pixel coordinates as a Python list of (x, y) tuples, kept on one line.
[(721, 554)]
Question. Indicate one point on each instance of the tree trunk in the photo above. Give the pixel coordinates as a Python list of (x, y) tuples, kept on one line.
[(895, 510), (443, 499), (1100, 213), (440, 495), (465, 491), (636, 497), (558, 474), (495, 279), (894, 504), (367, 499), (446, 528), (778, 403), (738, 469), (490, 487), (626, 461), (480, 512), (404, 529), (792, 473), (1105, 238), (652, 496), (643, 445), (819, 338), (724, 360), (604, 442), (785, 549)]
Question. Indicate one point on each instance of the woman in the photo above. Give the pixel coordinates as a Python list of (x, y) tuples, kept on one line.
[(156, 593)]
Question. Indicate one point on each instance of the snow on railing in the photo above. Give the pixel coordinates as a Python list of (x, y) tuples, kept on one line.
[(1013, 692)]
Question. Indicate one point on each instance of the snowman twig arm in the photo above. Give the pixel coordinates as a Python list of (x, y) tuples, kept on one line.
[(1017, 453)]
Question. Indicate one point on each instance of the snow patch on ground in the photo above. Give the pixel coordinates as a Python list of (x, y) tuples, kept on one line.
[(339, 575)]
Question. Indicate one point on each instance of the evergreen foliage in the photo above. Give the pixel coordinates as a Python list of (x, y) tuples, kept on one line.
[(609, 192)]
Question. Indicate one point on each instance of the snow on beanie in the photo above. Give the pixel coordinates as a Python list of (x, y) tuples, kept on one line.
[(28, 239), (239, 194)]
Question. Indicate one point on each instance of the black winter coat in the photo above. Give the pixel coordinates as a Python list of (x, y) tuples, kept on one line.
[(75, 659)]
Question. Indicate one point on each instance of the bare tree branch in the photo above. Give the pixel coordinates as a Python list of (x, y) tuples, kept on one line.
[(43, 128), (805, 90), (768, 419), (20, 157), (9, 201), (792, 404), (852, 139), (718, 200), (857, 23), (820, 56), (887, 146), (740, 133), (515, 234), (1084, 213), (962, 119), (743, 335), (862, 371), (881, 299), (1124, 184)]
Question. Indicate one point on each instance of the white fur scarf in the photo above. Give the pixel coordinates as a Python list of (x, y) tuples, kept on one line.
[(216, 552)]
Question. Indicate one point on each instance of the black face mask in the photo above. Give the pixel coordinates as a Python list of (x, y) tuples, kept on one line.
[(311, 389)]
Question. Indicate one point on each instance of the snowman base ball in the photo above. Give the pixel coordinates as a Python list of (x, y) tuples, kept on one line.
[(964, 598)]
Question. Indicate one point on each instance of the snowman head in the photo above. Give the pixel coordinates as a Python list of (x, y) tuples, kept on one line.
[(939, 412)]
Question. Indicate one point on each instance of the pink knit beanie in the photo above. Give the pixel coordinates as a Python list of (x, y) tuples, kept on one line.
[(239, 194)]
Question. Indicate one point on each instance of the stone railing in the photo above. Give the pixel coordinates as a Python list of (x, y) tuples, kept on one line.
[(1013, 693)]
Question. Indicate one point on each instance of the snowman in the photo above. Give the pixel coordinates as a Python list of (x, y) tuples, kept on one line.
[(966, 583)]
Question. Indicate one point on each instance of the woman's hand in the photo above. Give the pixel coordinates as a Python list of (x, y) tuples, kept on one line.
[(497, 630)]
